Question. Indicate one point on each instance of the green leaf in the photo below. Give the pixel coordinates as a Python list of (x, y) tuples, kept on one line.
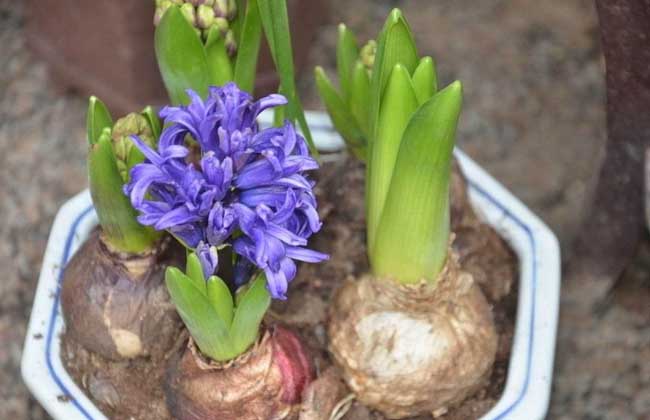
[(195, 272), (249, 314), (248, 47), (412, 237), (395, 45), (116, 215), (208, 330), (97, 119), (153, 120), (397, 107), (238, 21), (425, 80), (181, 57), (360, 97), (347, 53), (221, 299), (218, 60), (342, 118), (275, 22)]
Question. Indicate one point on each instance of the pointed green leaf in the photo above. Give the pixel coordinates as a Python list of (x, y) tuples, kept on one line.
[(395, 45), (248, 47), (204, 324), (237, 22), (221, 299), (338, 111), (218, 59), (347, 53), (360, 97), (425, 80), (249, 314), (153, 120), (397, 108), (181, 58), (97, 119), (195, 272), (116, 215), (413, 233), (275, 22)]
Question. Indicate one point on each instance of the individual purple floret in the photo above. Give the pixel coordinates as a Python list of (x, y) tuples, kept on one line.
[(244, 181)]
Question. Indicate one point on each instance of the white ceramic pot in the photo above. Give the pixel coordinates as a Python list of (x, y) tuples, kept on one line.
[(528, 386)]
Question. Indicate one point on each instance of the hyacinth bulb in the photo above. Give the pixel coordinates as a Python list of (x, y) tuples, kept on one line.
[(264, 383), (434, 343)]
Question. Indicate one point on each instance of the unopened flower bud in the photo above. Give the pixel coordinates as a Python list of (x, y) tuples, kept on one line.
[(161, 8), (221, 8), (232, 9), (189, 13), (222, 25), (367, 54), (204, 16), (124, 128), (231, 44)]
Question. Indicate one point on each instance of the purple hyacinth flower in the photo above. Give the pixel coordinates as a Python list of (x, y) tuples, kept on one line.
[(209, 259), (249, 189)]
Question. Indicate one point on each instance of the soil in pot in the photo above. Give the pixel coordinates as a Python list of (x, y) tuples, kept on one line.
[(133, 389)]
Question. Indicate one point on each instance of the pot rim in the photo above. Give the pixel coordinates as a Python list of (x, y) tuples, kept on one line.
[(528, 385)]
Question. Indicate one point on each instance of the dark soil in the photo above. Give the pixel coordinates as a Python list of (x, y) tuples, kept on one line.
[(133, 389)]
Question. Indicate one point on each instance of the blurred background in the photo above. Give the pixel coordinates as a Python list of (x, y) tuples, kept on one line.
[(534, 117)]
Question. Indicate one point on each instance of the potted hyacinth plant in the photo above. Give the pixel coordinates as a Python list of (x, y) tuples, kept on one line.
[(113, 294), (417, 321), (249, 191), (209, 178), (187, 301)]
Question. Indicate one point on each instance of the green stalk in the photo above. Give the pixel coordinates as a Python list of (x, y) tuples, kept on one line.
[(181, 57), (248, 47), (217, 57), (97, 118), (117, 217), (413, 233), (359, 95), (275, 22), (395, 45), (425, 81), (207, 328), (397, 107), (338, 111), (221, 330), (347, 52)]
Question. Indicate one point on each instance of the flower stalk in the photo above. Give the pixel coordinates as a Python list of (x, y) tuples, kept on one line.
[(110, 157)]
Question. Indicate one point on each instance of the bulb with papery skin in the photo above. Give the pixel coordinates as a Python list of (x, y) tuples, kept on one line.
[(266, 382), (434, 344)]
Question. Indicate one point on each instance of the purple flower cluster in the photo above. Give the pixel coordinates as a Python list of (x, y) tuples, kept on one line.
[(216, 180)]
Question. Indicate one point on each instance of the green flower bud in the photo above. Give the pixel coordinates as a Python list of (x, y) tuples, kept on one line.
[(161, 8), (126, 154), (367, 54), (232, 9), (231, 44), (221, 8), (221, 24), (189, 13), (204, 16)]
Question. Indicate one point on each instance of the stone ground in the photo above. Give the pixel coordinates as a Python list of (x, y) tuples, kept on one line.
[(533, 117)]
